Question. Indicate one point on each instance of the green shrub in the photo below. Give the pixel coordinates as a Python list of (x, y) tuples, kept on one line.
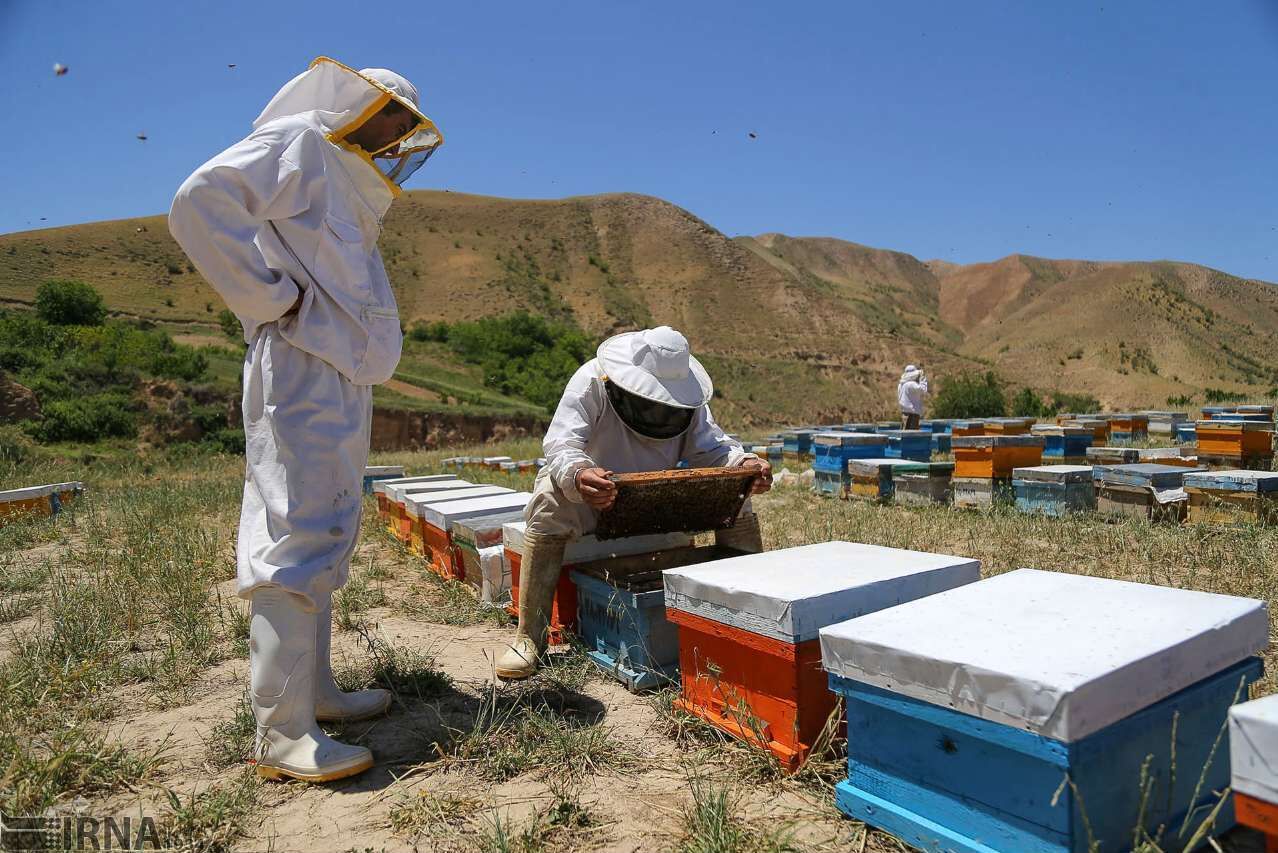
[(87, 419), (970, 395), (1065, 402), (437, 331), (69, 303), (1027, 404), (230, 324), (15, 445)]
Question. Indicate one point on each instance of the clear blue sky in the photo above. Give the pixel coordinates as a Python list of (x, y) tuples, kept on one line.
[(960, 130)]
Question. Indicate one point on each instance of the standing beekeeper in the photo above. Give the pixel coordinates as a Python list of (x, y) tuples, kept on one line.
[(284, 225), (642, 404), (910, 391)]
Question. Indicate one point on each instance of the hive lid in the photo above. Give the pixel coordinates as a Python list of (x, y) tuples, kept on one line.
[(1054, 473), (1234, 426), (684, 501), (874, 467), (790, 594), (384, 486), (404, 491), (924, 469), (1053, 429), (907, 433), (383, 470), (844, 439), (32, 492), (1057, 654), (960, 441), (1142, 474), (415, 503), (1122, 455), (1253, 748), (587, 548), (1237, 480), (442, 514), (484, 530)]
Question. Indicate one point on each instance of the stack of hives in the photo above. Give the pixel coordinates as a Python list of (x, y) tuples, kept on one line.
[(373, 473), (1098, 426), (438, 520), (1236, 444), (1232, 496), (1128, 427), (749, 653), (922, 483), (983, 466), (1144, 490), (797, 445), (912, 444), (46, 500), (871, 479), (833, 451), (941, 435), (412, 509), (1064, 445), (1165, 423), (1055, 490), (389, 493), (966, 710)]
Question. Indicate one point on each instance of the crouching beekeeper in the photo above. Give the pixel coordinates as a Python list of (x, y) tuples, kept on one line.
[(642, 404), (284, 225)]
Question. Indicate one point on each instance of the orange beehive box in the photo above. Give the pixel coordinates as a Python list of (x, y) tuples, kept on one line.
[(1235, 438), (1260, 816), (965, 428), (749, 650), (1098, 426), (408, 517), (1253, 743), (1008, 426), (385, 488), (989, 456), (37, 500), (436, 519)]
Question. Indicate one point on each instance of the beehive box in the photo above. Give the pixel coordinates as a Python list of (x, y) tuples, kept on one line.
[(385, 501), (46, 500), (373, 473), (1167, 456), (1246, 417), (833, 450), (1112, 455), (1128, 426), (994, 456), (941, 442), (525, 465), (412, 533), (938, 425), (912, 444), (1235, 439), (1209, 412), (1055, 490), (1144, 490), (621, 615), (1232, 496), (1255, 409), (1165, 423), (401, 501), (1098, 426), (797, 444), (871, 479), (967, 710), (563, 613), (472, 538), (438, 518), (922, 484), (1186, 433), (967, 428), (494, 463), (1008, 426), (864, 426), (1253, 744), (981, 492), (688, 501), (1063, 442), (749, 654)]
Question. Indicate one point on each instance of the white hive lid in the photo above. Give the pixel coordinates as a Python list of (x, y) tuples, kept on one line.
[(383, 486), (587, 548), (32, 492), (791, 594), (1057, 654), (401, 494), (1253, 748), (443, 514), (415, 503)]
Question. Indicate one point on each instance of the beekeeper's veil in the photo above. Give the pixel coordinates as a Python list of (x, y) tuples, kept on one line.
[(343, 99)]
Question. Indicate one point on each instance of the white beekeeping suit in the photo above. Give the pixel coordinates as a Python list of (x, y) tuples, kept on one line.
[(284, 225), (910, 391)]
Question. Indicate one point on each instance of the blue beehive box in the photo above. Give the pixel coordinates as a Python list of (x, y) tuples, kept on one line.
[(1144, 475), (968, 710), (798, 442), (872, 478), (941, 442), (1064, 442), (1254, 417), (832, 450), (912, 444), (1055, 490), (1186, 433), (373, 473)]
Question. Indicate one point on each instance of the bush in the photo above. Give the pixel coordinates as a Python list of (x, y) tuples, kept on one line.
[(1080, 403), (437, 331), (69, 303), (1027, 404), (230, 324), (15, 445), (970, 396), (86, 419)]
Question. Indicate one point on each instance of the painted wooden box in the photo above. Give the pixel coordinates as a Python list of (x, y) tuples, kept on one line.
[(833, 450), (1166, 456), (1128, 426), (941, 442), (1165, 423), (1253, 758), (1144, 490), (1063, 442), (384, 492), (621, 613), (982, 492), (438, 518), (471, 537), (486, 571), (1112, 456), (1008, 426), (1238, 444), (563, 612), (871, 479), (912, 444), (1098, 426), (1186, 433), (1055, 490), (987, 456), (1029, 712), (373, 473), (796, 444), (46, 500), (409, 530), (1232, 496), (964, 428), (923, 484), (749, 654)]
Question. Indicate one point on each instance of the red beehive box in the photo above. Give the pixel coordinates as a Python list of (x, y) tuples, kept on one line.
[(749, 650)]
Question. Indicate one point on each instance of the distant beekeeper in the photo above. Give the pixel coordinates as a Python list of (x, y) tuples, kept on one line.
[(642, 404), (910, 392), (284, 225)]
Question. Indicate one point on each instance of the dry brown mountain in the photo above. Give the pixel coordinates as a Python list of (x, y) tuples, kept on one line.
[(794, 329)]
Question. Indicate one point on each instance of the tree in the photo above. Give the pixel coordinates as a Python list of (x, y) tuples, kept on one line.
[(1027, 404), (230, 324), (970, 396), (69, 303)]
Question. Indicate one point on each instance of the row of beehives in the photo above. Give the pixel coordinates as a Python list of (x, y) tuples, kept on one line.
[(36, 501), (966, 702), (494, 463)]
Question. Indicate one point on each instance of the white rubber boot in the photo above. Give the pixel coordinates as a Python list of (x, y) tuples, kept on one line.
[(539, 568), (290, 744), (744, 536), (331, 704)]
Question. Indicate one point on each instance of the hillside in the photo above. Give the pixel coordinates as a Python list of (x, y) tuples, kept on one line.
[(793, 329)]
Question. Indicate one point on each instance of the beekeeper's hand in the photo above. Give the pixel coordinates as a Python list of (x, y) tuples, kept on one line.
[(595, 488), (763, 482)]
